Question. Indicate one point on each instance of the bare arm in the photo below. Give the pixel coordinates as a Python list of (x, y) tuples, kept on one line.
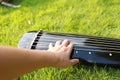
[(15, 62)]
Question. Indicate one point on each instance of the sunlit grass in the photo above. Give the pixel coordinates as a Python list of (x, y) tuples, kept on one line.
[(88, 17)]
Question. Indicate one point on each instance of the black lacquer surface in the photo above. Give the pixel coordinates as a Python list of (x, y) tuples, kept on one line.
[(88, 49)]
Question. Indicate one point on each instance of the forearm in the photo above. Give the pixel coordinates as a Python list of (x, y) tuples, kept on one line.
[(15, 62)]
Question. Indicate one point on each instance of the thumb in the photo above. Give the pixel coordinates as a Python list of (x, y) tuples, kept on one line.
[(74, 61), (50, 45)]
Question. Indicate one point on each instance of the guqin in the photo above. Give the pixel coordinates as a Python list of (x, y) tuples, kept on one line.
[(88, 49)]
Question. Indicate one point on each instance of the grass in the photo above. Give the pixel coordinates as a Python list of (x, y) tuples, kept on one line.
[(88, 17)]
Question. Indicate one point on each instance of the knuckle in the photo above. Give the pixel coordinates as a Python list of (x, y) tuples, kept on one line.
[(64, 48)]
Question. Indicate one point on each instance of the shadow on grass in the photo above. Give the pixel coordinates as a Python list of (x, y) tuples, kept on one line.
[(6, 9), (99, 66), (96, 71), (26, 3), (34, 3), (108, 3), (16, 2)]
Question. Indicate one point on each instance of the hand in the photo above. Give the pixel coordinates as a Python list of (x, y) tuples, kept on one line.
[(62, 52)]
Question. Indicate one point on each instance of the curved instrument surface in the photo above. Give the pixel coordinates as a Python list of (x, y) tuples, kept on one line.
[(88, 49)]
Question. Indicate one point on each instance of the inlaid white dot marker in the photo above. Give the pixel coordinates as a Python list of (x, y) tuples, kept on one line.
[(90, 52), (76, 51), (110, 54)]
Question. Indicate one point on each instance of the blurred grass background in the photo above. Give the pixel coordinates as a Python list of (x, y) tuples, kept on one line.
[(88, 17)]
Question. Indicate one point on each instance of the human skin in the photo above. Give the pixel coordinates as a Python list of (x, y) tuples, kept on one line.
[(15, 62)]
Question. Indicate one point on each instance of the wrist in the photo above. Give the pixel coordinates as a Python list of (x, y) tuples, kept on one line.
[(53, 59)]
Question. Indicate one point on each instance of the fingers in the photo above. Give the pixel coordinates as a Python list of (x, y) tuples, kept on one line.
[(70, 47), (58, 43), (50, 45), (65, 43)]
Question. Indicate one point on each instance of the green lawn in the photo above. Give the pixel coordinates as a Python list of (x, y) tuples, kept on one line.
[(88, 17)]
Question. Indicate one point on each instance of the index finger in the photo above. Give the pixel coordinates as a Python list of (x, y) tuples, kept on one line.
[(66, 42), (70, 48)]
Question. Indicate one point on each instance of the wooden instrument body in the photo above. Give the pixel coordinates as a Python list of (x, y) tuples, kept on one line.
[(88, 49)]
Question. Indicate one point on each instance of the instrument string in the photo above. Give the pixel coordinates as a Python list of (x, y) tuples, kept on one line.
[(90, 47), (43, 46), (88, 50), (86, 42), (80, 43), (84, 36), (84, 47), (89, 39)]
